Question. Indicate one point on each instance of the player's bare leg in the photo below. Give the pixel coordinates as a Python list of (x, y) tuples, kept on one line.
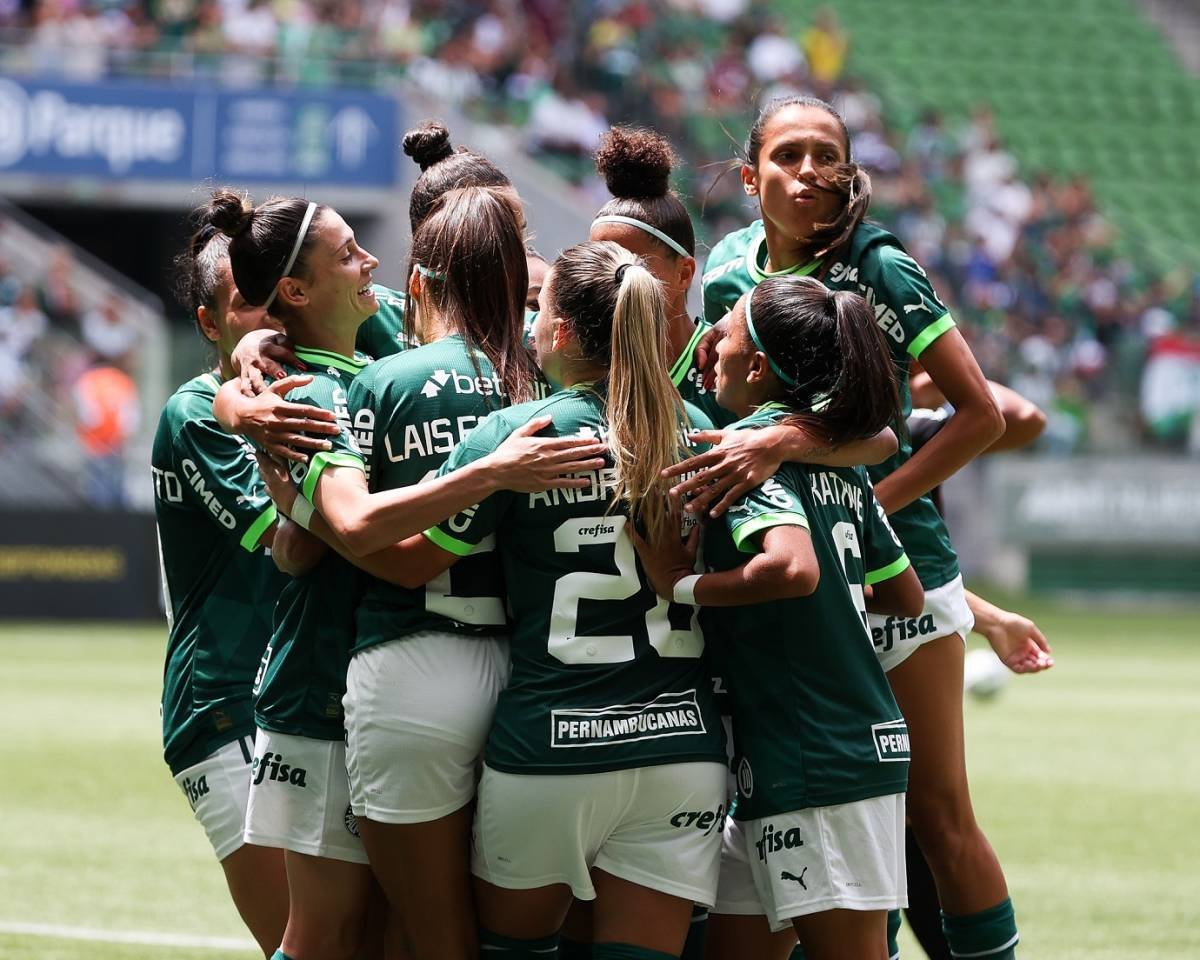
[(844, 935), (328, 912), (928, 688), (258, 884), (732, 937), (423, 869), (628, 913)]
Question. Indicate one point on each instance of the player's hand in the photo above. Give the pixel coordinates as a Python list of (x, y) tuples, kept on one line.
[(669, 560), (530, 464), (739, 461), (283, 428), (279, 483), (261, 354), (1018, 642), (706, 351)]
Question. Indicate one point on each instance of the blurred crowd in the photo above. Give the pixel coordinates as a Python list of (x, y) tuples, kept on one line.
[(64, 363), (1109, 349)]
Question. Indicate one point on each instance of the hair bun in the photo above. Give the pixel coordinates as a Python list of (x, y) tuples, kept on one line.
[(228, 211), (635, 164), (428, 144)]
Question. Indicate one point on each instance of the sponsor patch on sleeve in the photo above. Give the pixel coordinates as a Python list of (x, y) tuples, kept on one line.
[(891, 741), (667, 715)]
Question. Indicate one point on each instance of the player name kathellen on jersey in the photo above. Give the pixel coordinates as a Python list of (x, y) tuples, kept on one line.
[(667, 715)]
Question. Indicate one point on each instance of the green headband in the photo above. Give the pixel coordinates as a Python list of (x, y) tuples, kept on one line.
[(429, 272), (763, 350), (642, 225)]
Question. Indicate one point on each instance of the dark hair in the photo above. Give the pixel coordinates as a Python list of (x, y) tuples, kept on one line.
[(830, 345), (474, 274), (849, 180), (444, 168), (617, 312), (636, 167), (262, 239), (196, 273)]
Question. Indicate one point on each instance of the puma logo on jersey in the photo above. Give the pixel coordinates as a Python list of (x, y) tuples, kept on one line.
[(922, 305), (703, 820), (901, 628), (788, 875), (194, 791), (772, 841), (270, 766), (480, 385)]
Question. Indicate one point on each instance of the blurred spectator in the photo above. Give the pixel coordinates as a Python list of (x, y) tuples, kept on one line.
[(773, 54), (563, 122), (825, 45), (21, 325), (107, 417), (108, 332)]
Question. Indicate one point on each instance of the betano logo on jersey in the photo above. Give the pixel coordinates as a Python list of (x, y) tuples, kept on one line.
[(270, 766), (667, 715), (891, 741), (469, 385)]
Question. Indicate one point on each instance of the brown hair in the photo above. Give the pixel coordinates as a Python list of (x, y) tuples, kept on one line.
[(636, 167), (444, 168), (196, 274), (617, 313), (262, 239), (829, 344), (473, 270), (850, 181)]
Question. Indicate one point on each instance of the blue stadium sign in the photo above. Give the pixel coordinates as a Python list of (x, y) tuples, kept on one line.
[(188, 133)]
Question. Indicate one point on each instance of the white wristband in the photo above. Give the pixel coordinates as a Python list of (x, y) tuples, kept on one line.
[(685, 590), (302, 512)]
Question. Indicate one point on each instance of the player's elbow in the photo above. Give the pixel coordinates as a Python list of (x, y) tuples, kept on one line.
[(797, 576), (910, 601), (409, 577), (990, 420), (1024, 425)]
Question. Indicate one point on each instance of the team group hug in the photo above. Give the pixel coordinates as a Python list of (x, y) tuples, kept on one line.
[(519, 613)]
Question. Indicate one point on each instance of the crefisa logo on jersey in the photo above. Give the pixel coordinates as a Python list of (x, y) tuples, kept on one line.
[(195, 790), (270, 766)]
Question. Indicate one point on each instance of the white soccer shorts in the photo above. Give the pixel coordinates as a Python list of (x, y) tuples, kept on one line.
[(946, 612), (217, 789)]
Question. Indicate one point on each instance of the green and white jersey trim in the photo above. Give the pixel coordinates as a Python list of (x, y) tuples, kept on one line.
[(449, 543), (260, 526), (743, 533), (317, 465), (893, 569), (929, 334), (756, 259), (684, 361), (325, 358)]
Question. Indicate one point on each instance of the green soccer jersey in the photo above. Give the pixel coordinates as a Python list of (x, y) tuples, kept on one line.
[(302, 676), (410, 411), (689, 380), (907, 310), (219, 585), (605, 675), (382, 333), (814, 719)]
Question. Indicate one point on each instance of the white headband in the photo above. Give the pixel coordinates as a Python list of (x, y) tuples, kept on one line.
[(291, 261), (653, 231)]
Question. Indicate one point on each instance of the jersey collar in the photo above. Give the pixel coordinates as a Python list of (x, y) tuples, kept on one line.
[(756, 258), (325, 358), (680, 368)]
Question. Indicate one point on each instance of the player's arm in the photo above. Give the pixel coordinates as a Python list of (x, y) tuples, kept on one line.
[(891, 586), (1016, 639), (295, 550), (273, 423), (900, 595), (260, 355), (741, 460), (1024, 421)]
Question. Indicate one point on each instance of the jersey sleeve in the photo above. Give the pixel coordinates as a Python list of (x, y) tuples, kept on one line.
[(382, 333), (719, 283), (883, 556), (906, 306), (463, 532), (221, 478), (344, 451), (774, 504)]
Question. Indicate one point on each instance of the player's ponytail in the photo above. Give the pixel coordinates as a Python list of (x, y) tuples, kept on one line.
[(829, 354), (196, 270), (617, 312), (470, 255)]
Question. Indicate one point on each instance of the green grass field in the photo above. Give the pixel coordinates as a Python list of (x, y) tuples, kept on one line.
[(1087, 780)]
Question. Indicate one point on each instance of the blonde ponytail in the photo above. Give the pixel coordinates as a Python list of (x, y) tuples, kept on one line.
[(645, 412)]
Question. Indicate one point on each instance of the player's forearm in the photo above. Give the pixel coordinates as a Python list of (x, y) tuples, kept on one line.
[(372, 522), (987, 615), (764, 577), (966, 435), (294, 550), (226, 407)]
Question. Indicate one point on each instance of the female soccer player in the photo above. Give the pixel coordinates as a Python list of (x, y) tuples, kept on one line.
[(428, 663), (818, 840), (215, 523), (604, 775), (813, 201)]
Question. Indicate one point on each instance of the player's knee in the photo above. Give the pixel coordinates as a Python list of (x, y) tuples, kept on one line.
[(331, 938), (944, 824)]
